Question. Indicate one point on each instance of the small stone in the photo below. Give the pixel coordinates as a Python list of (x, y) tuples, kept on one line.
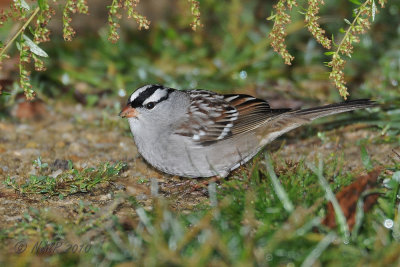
[(119, 186), (75, 158), (60, 144), (63, 127), (4, 126), (75, 148), (59, 164), (23, 129), (32, 145), (4, 168), (142, 197), (56, 173), (68, 137), (26, 152), (105, 197)]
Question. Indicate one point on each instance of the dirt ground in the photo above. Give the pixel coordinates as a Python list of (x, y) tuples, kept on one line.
[(89, 137)]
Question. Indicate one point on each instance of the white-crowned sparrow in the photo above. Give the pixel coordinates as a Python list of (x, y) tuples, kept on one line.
[(198, 133)]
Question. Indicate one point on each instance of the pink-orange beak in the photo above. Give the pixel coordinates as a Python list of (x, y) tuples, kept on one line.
[(128, 112)]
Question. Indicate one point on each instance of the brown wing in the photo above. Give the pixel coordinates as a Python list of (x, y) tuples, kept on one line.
[(213, 117), (252, 112), (209, 117)]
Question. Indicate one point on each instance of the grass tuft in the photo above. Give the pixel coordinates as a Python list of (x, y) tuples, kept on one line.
[(66, 183), (287, 204), (341, 219)]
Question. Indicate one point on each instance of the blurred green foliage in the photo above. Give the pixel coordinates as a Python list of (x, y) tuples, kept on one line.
[(231, 51)]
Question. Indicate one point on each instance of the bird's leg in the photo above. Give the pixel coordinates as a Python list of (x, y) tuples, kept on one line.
[(204, 184)]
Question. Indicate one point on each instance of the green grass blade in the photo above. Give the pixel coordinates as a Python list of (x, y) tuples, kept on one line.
[(330, 196), (280, 192), (317, 251), (360, 211)]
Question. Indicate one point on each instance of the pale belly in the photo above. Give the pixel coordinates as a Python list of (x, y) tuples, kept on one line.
[(184, 159)]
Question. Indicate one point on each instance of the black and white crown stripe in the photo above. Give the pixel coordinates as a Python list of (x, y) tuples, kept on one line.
[(147, 94), (157, 96)]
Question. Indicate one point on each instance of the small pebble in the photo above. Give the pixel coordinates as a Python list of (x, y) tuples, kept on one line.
[(32, 145), (59, 164), (56, 173), (119, 186)]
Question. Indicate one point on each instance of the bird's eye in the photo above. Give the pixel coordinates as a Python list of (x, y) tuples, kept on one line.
[(150, 105)]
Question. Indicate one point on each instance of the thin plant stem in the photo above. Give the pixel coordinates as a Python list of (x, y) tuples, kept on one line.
[(350, 27), (2, 51)]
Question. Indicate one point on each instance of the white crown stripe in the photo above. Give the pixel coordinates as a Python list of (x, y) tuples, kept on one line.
[(138, 92), (156, 96)]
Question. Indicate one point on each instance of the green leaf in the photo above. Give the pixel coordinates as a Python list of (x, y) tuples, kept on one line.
[(42, 4), (333, 40), (25, 5), (365, 158), (329, 53), (35, 48), (396, 177), (91, 100), (272, 16), (347, 21), (31, 29), (70, 165), (355, 2)]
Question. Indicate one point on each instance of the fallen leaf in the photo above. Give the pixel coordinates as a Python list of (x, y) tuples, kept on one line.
[(348, 198), (28, 110)]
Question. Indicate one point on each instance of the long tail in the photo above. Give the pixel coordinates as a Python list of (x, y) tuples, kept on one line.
[(290, 120), (318, 112)]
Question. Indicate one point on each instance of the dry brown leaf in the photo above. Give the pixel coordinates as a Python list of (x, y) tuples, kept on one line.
[(348, 197), (29, 110)]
